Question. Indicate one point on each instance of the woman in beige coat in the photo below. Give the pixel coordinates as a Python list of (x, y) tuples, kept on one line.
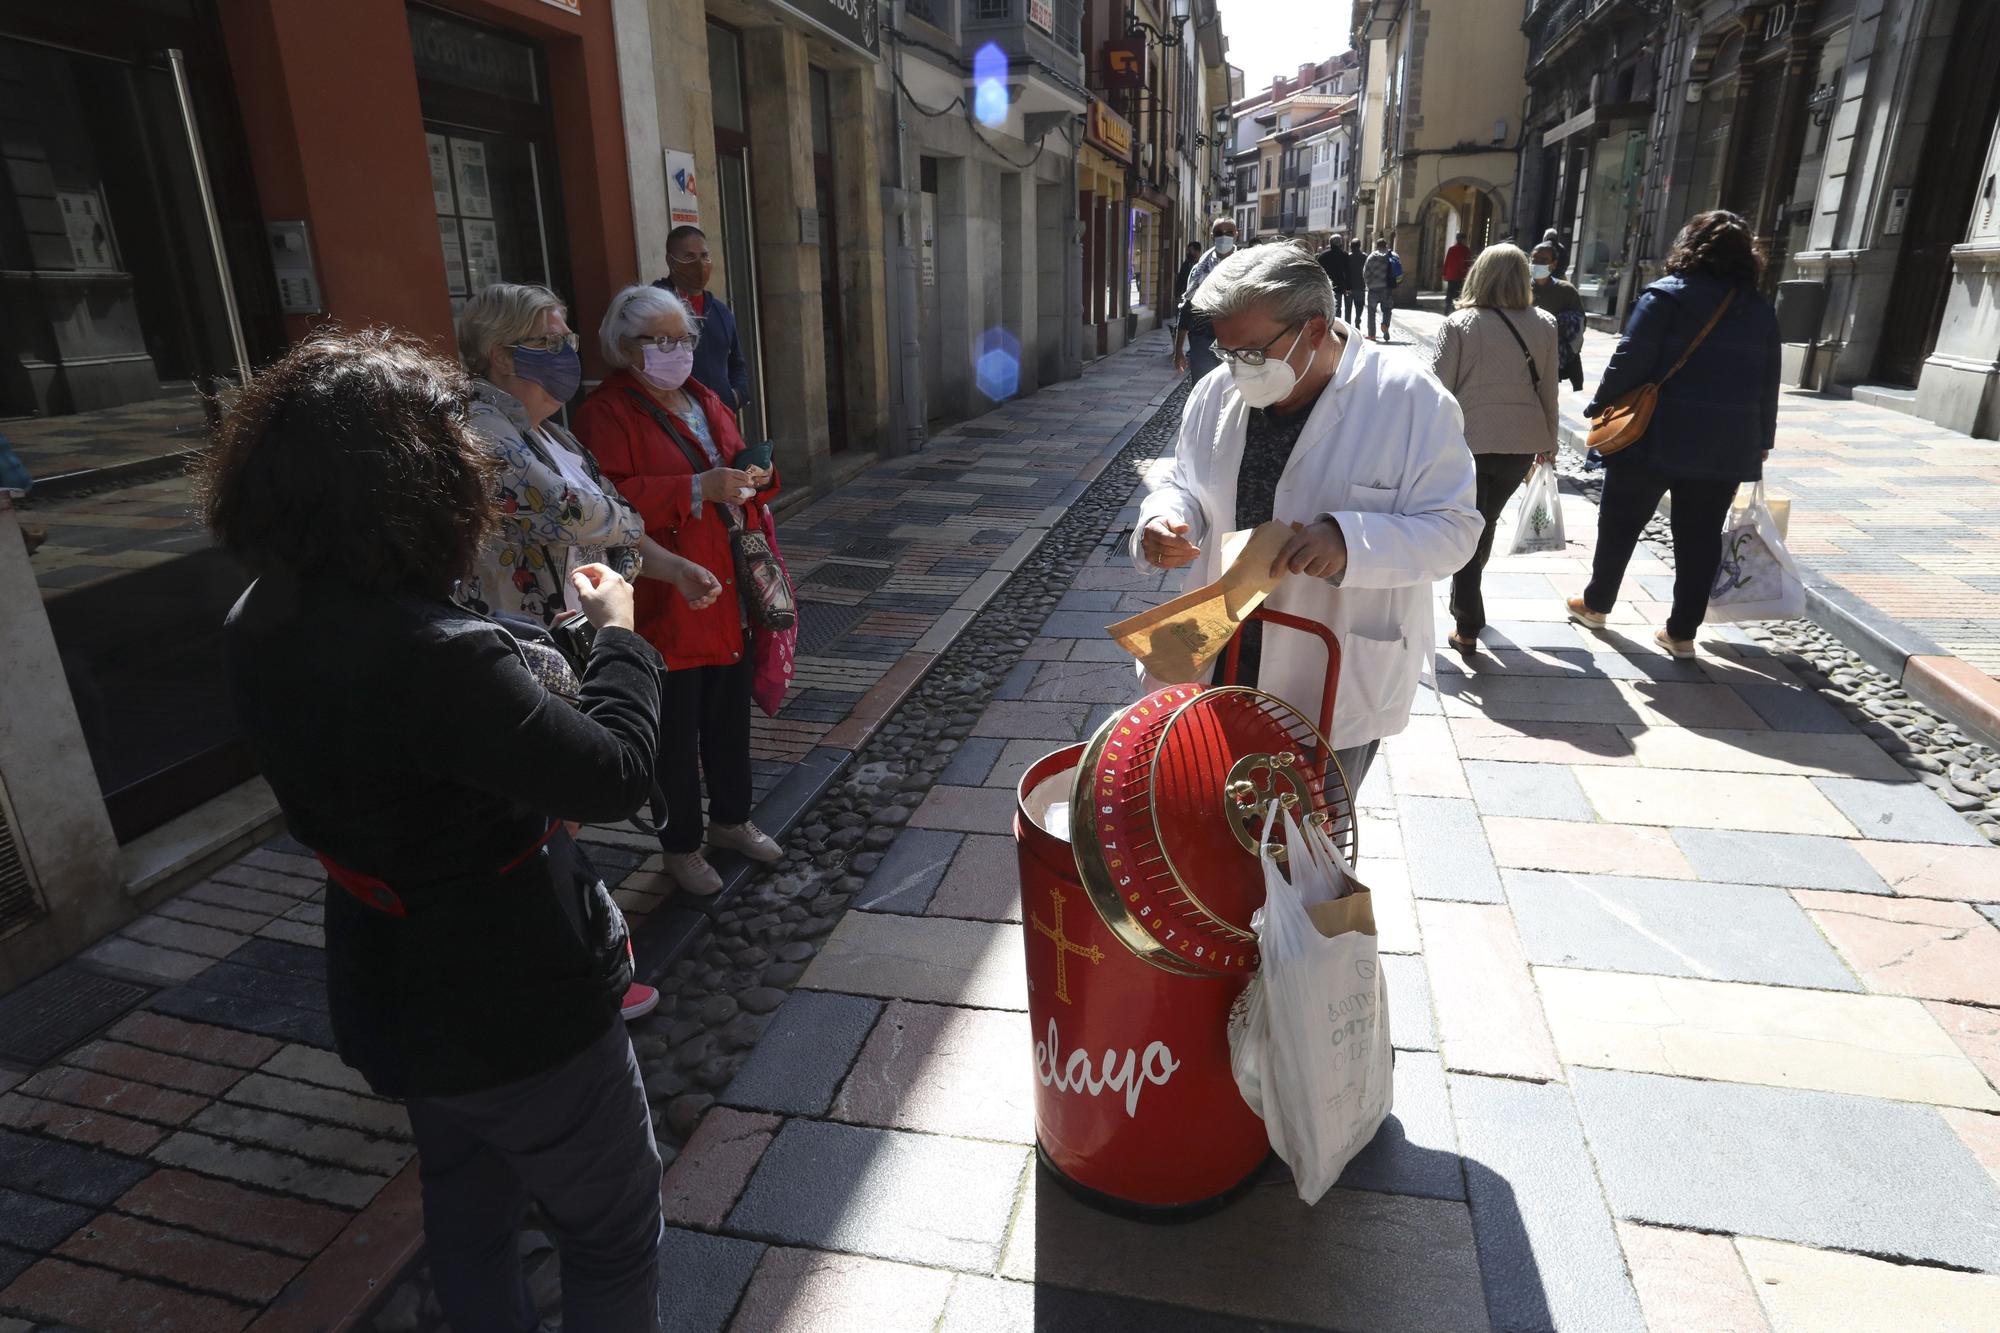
[(1497, 355)]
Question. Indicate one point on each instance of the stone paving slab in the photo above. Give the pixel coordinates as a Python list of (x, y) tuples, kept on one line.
[(804, 1053), (1789, 860), (938, 960), (1356, 1260), (1872, 1045), (1818, 1168), (1547, 1247), (1723, 932), (1807, 1289), (702, 1278), (918, 1198), (1689, 1280)]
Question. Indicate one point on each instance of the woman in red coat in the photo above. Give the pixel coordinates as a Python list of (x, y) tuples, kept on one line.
[(670, 445)]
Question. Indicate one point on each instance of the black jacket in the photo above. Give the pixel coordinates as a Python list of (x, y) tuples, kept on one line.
[(1334, 262), (406, 739)]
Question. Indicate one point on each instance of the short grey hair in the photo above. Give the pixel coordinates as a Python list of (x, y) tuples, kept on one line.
[(632, 310), (1283, 280), (500, 316)]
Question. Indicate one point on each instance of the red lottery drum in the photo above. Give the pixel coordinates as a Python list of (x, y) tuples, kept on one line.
[(1139, 876)]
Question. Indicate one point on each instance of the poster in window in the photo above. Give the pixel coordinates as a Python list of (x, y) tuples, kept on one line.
[(91, 249), (468, 168), (683, 192), (454, 256), (482, 253), (1042, 13), (440, 153)]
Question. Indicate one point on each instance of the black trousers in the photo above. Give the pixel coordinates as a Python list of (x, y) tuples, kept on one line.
[(704, 717), (1453, 289), (1497, 477), (577, 1139), (1632, 491)]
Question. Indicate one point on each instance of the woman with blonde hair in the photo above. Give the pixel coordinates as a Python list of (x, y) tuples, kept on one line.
[(1497, 355)]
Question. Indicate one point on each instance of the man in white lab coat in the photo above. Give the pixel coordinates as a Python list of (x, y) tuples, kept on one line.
[(1306, 422)]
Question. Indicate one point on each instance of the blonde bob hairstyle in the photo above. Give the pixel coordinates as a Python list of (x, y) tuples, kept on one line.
[(500, 316), (1499, 280)]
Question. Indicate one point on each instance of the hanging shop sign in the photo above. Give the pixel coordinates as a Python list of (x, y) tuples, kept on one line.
[(1108, 131), (1125, 63), (850, 22), (566, 6), (683, 195)]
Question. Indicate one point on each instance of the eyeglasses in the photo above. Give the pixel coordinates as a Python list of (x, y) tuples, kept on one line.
[(1252, 356), (666, 344), (548, 342)]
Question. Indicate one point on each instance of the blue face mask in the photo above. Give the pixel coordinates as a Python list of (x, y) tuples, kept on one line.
[(559, 372)]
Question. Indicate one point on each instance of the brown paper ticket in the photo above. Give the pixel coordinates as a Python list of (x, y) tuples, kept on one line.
[(1177, 640)]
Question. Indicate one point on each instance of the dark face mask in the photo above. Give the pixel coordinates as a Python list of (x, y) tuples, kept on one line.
[(559, 372)]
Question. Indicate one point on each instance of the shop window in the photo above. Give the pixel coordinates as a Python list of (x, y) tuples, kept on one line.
[(491, 138)]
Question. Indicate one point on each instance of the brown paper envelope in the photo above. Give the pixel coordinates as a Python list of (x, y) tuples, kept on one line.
[(1354, 912), (1178, 639)]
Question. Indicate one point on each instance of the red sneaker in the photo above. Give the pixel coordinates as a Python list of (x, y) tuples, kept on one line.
[(639, 1001)]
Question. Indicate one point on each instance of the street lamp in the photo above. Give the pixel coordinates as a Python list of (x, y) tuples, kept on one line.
[(1177, 16)]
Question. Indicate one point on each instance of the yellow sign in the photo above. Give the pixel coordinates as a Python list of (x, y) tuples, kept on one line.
[(1109, 131)]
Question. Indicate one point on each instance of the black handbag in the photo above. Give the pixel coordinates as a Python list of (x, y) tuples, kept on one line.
[(761, 584)]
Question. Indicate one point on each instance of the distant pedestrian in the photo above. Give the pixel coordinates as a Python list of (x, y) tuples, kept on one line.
[(1457, 263), (1559, 250), (1334, 260), (1188, 262), (1712, 427), (1497, 355), (1379, 275), (1556, 297), (475, 960), (671, 445), (1357, 283), (719, 364), (1194, 338)]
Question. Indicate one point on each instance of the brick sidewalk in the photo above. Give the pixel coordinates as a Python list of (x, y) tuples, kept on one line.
[(1695, 997), (206, 1164)]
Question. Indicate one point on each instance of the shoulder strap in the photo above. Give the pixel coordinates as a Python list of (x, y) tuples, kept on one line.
[(665, 422), (1699, 338), (1533, 374)]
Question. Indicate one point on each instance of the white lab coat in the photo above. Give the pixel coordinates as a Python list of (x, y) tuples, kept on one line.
[(1383, 454)]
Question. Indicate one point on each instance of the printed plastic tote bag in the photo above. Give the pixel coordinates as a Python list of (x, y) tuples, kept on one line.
[(1537, 515), (1757, 579), (1309, 1043)]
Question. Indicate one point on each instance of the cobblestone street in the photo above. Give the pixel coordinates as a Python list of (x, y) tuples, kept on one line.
[(1694, 990)]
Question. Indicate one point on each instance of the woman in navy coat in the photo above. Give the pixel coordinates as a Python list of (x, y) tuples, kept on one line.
[(1714, 422)]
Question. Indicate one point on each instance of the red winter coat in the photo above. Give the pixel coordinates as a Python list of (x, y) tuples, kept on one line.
[(651, 471), (1457, 262)]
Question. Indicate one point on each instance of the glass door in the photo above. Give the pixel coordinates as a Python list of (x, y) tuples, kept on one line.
[(118, 347)]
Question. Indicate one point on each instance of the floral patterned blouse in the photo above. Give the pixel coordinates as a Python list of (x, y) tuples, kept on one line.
[(552, 518)]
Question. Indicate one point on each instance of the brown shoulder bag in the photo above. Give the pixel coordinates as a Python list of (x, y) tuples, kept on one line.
[(1625, 418)]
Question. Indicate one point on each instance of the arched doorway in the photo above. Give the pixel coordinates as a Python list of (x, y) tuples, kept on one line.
[(1465, 207)]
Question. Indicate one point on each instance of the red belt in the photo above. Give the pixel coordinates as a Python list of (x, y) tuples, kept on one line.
[(376, 893)]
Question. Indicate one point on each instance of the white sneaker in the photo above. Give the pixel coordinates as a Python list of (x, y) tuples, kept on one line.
[(692, 873), (746, 838), (1682, 649)]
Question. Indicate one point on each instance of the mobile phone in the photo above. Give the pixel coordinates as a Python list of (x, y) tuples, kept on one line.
[(756, 455)]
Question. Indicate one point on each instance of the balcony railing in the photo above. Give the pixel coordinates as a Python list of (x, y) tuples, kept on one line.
[(989, 19)]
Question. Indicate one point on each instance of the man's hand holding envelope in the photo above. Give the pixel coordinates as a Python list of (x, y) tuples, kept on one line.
[(1176, 641)]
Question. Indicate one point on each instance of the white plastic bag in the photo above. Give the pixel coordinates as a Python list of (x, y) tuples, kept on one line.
[(1537, 515), (1310, 1045), (1757, 579)]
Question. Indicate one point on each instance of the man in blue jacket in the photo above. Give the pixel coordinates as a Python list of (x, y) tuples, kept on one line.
[(718, 359)]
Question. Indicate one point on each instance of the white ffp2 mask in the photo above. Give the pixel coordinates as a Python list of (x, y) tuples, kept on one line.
[(1269, 383)]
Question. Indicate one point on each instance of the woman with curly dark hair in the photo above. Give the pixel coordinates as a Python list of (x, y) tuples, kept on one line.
[(475, 961), (1714, 422)]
